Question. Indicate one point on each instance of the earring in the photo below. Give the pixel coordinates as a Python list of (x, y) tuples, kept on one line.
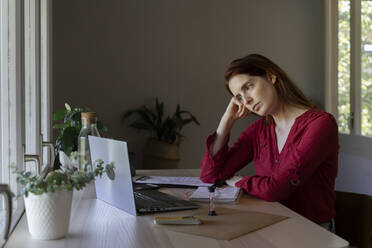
[(273, 79)]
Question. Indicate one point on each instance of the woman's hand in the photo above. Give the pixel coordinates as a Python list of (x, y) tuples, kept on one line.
[(233, 180), (236, 110)]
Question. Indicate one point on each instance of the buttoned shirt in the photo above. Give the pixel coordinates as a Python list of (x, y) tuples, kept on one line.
[(301, 176)]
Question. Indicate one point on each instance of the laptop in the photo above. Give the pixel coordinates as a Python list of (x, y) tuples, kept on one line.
[(117, 188)]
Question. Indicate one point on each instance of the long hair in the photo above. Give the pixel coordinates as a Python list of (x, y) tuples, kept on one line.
[(258, 65)]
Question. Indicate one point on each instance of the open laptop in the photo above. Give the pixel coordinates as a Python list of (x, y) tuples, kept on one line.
[(117, 188)]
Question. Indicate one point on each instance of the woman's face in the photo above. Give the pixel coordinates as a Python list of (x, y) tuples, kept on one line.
[(256, 93)]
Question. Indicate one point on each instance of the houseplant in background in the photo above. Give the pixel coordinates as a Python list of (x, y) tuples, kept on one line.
[(162, 148), (67, 140), (48, 200)]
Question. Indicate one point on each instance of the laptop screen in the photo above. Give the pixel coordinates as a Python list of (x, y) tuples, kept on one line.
[(117, 192)]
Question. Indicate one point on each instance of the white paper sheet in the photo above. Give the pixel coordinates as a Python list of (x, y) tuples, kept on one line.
[(189, 181)]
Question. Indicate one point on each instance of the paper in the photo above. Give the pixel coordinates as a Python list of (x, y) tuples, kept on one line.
[(227, 225), (221, 195), (189, 181)]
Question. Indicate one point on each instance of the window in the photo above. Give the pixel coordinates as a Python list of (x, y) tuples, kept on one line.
[(24, 87), (361, 67), (366, 68), (11, 101), (343, 67), (349, 72)]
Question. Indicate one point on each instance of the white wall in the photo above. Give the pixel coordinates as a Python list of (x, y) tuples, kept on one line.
[(119, 54)]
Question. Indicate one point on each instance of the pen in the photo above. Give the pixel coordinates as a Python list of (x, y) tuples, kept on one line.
[(177, 220)]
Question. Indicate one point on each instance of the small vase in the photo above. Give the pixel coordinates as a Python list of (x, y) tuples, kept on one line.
[(48, 215)]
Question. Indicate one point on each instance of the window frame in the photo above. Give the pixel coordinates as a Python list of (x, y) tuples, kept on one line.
[(46, 75), (38, 80), (11, 101), (353, 143), (32, 78), (25, 76)]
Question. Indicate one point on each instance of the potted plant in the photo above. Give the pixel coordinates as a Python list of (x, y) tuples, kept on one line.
[(48, 200), (162, 148), (67, 140)]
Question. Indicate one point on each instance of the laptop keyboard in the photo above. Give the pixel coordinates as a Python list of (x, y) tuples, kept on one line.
[(148, 201)]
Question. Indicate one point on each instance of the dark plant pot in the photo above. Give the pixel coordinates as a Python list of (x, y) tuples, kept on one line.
[(160, 155)]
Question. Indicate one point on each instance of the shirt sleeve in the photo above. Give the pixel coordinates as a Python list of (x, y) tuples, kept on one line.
[(318, 142), (227, 160)]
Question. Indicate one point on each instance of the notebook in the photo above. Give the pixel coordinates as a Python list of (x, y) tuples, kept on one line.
[(225, 194), (117, 190)]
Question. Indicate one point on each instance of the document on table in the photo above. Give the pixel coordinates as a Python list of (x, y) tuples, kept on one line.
[(189, 181), (226, 194)]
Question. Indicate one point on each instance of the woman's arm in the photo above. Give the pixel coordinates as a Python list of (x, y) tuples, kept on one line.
[(235, 110), (222, 134), (220, 161)]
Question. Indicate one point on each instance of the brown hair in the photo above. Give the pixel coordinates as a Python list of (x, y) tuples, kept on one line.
[(258, 65)]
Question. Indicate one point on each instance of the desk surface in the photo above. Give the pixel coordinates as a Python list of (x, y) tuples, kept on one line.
[(97, 224)]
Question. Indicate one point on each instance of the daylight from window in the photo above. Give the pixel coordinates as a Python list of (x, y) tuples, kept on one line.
[(343, 66), (344, 71), (366, 84)]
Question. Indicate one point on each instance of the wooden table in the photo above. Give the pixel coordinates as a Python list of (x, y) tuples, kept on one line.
[(97, 224)]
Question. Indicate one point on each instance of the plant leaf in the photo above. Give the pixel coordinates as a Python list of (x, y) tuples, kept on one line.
[(159, 110), (143, 115), (101, 126), (68, 107), (186, 121), (69, 115), (60, 125), (127, 114), (59, 114), (140, 125), (192, 116), (150, 113), (195, 120), (69, 140), (76, 119)]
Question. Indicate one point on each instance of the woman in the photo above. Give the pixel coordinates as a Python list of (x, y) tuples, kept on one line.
[(294, 146)]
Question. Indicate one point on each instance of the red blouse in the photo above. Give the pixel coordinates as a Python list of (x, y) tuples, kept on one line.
[(301, 176)]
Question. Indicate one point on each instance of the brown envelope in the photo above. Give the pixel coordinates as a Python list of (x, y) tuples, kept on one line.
[(227, 225)]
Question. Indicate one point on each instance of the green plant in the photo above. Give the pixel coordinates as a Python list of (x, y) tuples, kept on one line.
[(67, 140), (67, 178), (164, 129)]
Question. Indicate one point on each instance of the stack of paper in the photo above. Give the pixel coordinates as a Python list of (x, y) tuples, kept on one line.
[(189, 181), (222, 195)]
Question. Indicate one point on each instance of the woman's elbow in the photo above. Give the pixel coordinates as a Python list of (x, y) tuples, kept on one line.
[(269, 197), (206, 179), (208, 176), (273, 195)]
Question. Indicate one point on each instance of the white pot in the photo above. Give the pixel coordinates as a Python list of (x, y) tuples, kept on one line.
[(48, 215)]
